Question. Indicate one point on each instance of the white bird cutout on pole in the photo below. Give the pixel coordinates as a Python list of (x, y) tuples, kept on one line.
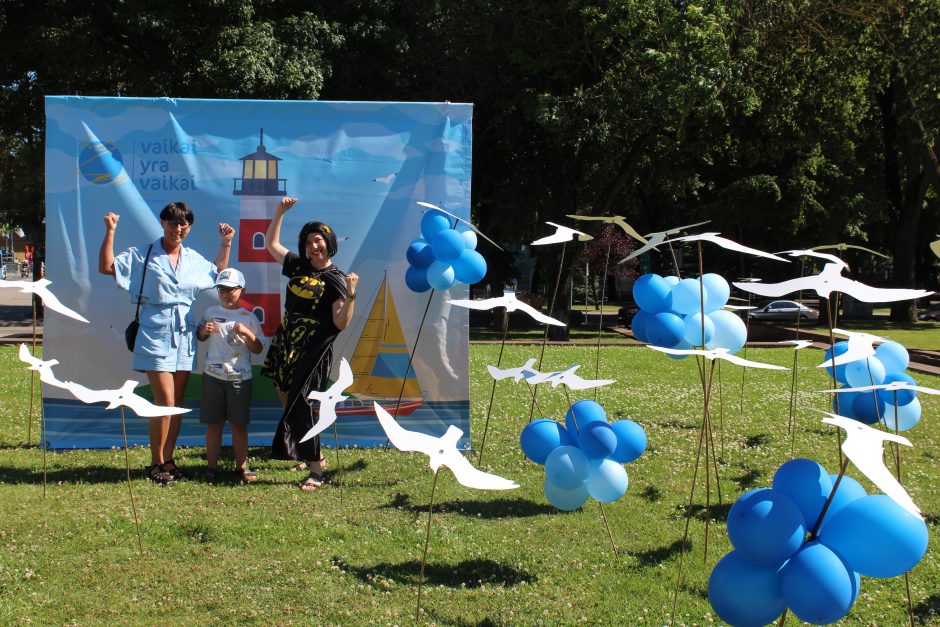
[(123, 396), (828, 281), (865, 447), (441, 451), (894, 386), (41, 289), (618, 220), (329, 398), (718, 353), (798, 344), (44, 368), (511, 303), (517, 374), (935, 247), (566, 377), (659, 237), (459, 219), (561, 235), (847, 247), (727, 244), (861, 346)]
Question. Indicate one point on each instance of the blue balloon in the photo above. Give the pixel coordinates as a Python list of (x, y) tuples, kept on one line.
[(541, 437), (672, 280), (717, 291), (469, 267), (766, 527), (898, 397), (652, 293), (665, 329), (682, 345), (693, 329), (447, 245), (867, 407), (743, 593), (686, 298), (843, 404), (840, 349), (566, 467), (583, 412), (893, 357), (566, 500), (441, 275), (817, 585), (849, 490), (597, 440), (639, 323), (864, 372), (417, 279), (469, 237), (631, 441), (876, 537), (433, 222), (807, 484), (419, 253), (730, 331), (906, 416), (607, 480)]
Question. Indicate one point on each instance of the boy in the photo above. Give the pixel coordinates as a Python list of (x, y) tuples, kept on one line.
[(232, 331)]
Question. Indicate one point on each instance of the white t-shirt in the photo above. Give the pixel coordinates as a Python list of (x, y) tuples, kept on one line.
[(229, 357)]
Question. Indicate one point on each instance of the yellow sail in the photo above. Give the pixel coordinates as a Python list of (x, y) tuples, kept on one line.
[(381, 356)]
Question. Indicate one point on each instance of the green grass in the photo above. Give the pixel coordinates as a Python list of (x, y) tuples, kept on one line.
[(924, 335), (575, 334), (268, 554)]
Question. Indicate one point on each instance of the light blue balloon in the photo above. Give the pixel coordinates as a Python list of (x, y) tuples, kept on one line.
[(840, 349), (652, 293), (541, 437), (607, 480), (730, 331), (566, 467), (745, 594), (672, 280), (817, 585), (469, 267), (686, 298), (682, 345), (447, 245), (638, 325), (582, 412), (717, 291), (807, 483), (893, 356), (898, 397), (631, 441), (469, 236), (417, 279), (433, 222), (906, 416), (441, 275), (868, 371), (876, 537), (565, 500), (597, 440), (419, 253), (765, 526), (693, 329), (665, 329), (849, 490)]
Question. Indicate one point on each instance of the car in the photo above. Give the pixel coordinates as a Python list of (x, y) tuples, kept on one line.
[(931, 315), (786, 310)]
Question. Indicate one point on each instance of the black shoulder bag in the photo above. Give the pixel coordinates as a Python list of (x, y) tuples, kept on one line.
[(130, 333)]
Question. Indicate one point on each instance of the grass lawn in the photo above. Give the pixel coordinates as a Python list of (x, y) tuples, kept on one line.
[(268, 554), (924, 335)]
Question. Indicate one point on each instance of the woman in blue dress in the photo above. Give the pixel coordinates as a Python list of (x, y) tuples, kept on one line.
[(166, 344)]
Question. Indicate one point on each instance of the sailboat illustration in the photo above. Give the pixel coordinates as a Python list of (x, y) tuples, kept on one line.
[(379, 364)]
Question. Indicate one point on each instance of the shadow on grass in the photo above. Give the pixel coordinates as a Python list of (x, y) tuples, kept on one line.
[(500, 508), (928, 610), (757, 440), (84, 474), (674, 423), (748, 480), (654, 557), (468, 573), (651, 494), (715, 511)]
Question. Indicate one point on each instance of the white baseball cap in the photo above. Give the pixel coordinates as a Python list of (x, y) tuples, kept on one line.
[(230, 277)]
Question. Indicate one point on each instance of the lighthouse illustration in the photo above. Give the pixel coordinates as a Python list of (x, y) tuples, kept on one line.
[(259, 191)]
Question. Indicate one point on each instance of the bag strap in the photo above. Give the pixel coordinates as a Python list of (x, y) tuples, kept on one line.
[(142, 277)]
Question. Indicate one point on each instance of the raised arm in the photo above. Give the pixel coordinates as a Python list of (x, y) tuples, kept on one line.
[(343, 307), (226, 233), (272, 239), (106, 254)]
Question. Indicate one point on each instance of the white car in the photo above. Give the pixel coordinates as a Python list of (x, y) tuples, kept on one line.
[(786, 310)]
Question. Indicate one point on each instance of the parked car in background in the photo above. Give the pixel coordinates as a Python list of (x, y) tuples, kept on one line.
[(931, 315), (786, 310)]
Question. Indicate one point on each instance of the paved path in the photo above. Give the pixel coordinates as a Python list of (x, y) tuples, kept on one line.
[(16, 316)]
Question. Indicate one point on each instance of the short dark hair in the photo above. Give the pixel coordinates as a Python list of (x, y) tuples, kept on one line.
[(178, 212), (329, 236)]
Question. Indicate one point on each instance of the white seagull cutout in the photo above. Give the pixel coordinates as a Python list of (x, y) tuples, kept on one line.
[(727, 244), (737, 307), (797, 344), (828, 281), (566, 377), (44, 368), (844, 246), (41, 289), (865, 447), (123, 396), (861, 346), (459, 219), (935, 247), (562, 234), (889, 387), (329, 399), (517, 374), (511, 303), (618, 220), (386, 179), (441, 451), (718, 353), (658, 237)]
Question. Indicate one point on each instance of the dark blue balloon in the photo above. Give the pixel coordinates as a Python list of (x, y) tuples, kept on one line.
[(840, 348), (817, 585), (743, 593), (807, 484), (583, 412), (665, 329), (652, 293), (419, 253), (631, 441), (867, 407), (541, 437), (844, 402), (597, 440), (639, 323), (447, 245), (766, 527), (904, 397), (417, 279)]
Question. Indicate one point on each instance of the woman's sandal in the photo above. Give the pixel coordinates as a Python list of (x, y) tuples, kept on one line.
[(248, 475), (156, 474), (311, 483), (173, 470), (305, 466)]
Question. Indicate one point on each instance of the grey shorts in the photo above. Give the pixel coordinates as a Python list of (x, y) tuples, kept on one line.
[(225, 400)]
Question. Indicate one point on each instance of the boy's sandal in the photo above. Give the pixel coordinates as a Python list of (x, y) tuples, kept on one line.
[(173, 470), (211, 475), (248, 475), (156, 474), (311, 483)]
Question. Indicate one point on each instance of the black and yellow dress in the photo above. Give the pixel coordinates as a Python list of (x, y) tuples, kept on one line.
[(301, 352)]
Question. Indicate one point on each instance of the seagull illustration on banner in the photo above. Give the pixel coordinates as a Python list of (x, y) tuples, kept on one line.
[(727, 244), (511, 303), (123, 396), (566, 377), (659, 237), (517, 374), (329, 399), (41, 289), (386, 179), (718, 353), (441, 451), (44, 368), (561, 235), (618, 220), (861, 346), (865, 447), (459, 219)]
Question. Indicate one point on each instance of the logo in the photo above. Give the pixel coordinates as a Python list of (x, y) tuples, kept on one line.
[(101, 164)]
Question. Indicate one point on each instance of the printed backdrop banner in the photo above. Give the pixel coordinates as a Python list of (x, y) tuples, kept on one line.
[(358, 166)]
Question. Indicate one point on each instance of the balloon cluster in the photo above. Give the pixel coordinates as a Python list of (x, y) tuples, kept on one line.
[(773, 566), (444, 255), (585, 456), (887, 365), (671, 313)]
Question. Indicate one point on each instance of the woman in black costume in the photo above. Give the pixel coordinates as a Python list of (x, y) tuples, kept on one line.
[(318, 304)]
